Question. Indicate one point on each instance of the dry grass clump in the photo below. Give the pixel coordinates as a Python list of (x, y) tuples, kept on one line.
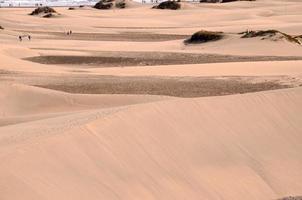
[(204, 36), (299, 38), (273, 35), (43, 10), (171, 5)]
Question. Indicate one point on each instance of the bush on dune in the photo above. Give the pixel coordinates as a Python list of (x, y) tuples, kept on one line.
[(103, 5), (43, 10), (273, 35), (108, 4), (204, 36), (171, 5)]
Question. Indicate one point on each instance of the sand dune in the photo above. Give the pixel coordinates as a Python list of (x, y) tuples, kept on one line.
[(37, 100), (154, 151), (117, 144), (40, 103)]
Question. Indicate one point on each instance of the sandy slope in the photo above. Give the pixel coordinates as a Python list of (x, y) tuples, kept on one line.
[(55, 145), (21, 103), (155, 151)]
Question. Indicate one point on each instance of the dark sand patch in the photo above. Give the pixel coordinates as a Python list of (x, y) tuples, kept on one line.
[(123, 36), (169, 86), (123, 59)]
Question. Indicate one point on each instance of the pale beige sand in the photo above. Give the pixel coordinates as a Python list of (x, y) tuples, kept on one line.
[(232, 147), (57, 145)]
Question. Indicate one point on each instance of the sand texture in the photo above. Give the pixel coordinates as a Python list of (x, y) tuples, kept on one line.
[(124, 108)]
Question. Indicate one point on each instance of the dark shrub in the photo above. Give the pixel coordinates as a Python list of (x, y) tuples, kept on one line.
[(103, 5), (44, 9), (204, 36), (108, 4), (172, 5)]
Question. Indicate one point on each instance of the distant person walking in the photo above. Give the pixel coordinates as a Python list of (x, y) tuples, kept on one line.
[(29, 37), (69, 32), (20, 38)]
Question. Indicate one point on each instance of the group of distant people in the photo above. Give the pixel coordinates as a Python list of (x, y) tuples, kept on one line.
[(69, 32), (29, 37), (21, 37)]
